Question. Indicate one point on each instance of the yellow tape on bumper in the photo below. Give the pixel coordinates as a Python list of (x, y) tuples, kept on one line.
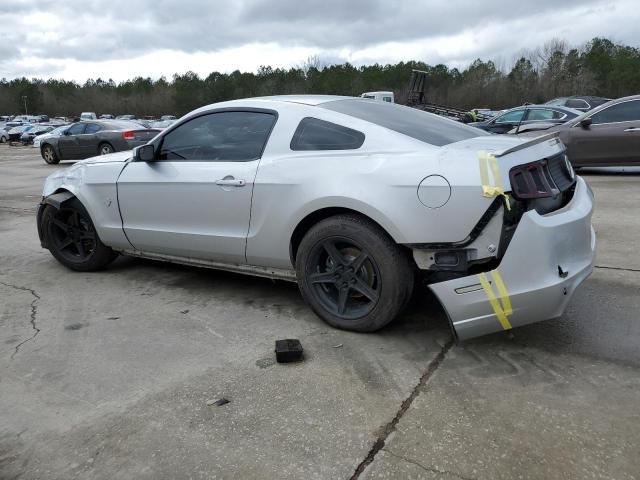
[(501, 304), (486, 162)]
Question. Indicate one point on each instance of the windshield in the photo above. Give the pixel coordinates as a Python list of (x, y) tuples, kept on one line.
[(426, 127)]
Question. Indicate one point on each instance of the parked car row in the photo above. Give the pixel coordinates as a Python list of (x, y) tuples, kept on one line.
[(526, 115), (24, 133), (556, 111)]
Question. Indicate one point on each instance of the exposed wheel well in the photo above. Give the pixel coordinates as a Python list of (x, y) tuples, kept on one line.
[(310, 220)]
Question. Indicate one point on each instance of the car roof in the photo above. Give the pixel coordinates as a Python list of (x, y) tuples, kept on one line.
[(304, 99), (588, 97), (546, 107), (307, 100)]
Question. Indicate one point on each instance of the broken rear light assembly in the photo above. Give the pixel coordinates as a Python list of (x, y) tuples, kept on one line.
[(532, 181)]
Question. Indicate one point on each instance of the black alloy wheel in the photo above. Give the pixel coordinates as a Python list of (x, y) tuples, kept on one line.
[(346, 278), (72, 238), (72, 235), (352, 274)]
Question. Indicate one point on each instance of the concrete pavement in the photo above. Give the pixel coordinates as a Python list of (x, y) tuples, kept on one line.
[(108, 375)]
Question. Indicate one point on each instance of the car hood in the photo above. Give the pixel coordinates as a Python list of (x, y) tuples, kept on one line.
[(117, 157)]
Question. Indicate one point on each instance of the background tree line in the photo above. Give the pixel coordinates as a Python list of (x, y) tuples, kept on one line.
[(600, 67)]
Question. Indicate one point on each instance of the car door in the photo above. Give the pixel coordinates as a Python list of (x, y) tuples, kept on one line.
[(505, 122), (194, 200), (68, 145), (612, 138), (88, 142)]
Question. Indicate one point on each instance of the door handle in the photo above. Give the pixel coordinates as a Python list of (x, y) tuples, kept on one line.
[(231, 182)]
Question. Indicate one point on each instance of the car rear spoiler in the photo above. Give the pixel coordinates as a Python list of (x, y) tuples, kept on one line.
[(553, 136)]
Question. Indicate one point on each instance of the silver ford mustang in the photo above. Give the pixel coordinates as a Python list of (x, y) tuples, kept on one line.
[(351, 198)]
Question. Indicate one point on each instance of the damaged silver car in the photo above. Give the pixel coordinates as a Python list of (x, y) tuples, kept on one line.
[(351, 198)]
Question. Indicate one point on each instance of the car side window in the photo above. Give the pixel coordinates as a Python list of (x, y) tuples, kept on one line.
[(541, 114), (238, 136), (510, 117), (315, 134), (620, 112), (577, 103), (92, 128), (76, 129)]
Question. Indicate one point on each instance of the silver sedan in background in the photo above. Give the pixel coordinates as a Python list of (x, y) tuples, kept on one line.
[(350, 198)]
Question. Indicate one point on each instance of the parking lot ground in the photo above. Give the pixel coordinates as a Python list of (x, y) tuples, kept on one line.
[(108, 375)]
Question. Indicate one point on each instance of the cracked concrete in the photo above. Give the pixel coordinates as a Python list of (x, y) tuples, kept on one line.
[(117, 382), (34, 314), (605, 267), (428, 469), (390, 427)]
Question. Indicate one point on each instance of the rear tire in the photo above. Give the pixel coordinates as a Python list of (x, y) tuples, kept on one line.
[(72, 239), (352, 274), (105, 149), (49, 155)]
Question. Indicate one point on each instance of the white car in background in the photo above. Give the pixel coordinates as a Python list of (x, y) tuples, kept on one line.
[(379, 96), (348, 197), (53, 133)]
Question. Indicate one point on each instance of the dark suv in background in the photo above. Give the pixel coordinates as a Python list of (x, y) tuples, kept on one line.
[(579, 102)]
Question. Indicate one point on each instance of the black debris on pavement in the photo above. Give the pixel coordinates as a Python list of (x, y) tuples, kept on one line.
[(288, 350)]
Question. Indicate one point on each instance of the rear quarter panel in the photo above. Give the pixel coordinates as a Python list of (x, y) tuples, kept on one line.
[(380, 180)]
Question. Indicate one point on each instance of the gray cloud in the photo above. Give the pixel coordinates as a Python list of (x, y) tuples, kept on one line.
[(95, 30)]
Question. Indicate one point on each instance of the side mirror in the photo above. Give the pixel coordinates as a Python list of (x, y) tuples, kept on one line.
[(145, 153), (66, 133), (585, 122)]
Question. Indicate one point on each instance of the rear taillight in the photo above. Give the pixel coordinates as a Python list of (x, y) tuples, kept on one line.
[(532, 181), (129, 135)]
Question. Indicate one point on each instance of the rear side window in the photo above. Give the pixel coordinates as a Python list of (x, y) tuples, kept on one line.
[(577, 103), (315, 134), (543, 114), (92, 128), (77, 129), (426, 127), (511, 117)]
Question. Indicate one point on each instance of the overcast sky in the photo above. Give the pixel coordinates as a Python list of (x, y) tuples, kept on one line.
[(121, 39)]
